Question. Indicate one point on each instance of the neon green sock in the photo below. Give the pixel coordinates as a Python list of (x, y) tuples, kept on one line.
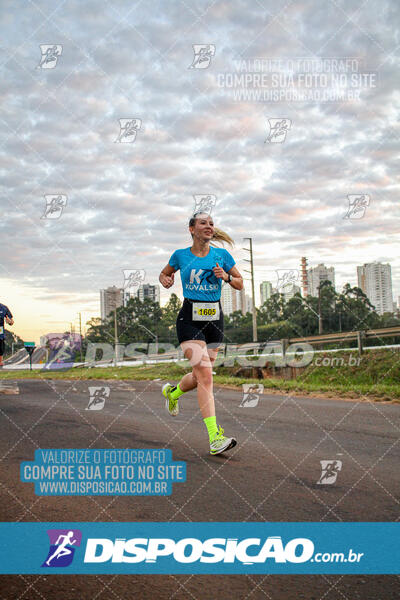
[(211, 424), (176, 393)]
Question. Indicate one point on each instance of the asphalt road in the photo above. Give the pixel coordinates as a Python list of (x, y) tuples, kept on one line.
[(271, 475)]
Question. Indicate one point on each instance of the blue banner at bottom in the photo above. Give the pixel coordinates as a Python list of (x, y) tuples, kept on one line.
[(199, 548)]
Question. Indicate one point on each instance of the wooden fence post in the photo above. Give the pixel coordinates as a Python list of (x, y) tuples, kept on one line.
[(360, 341), (285, 344)]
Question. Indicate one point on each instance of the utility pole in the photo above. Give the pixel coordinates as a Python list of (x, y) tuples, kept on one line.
[(80, 335), (151, 333), (319, 310), (115, 336), (252, 287), (339, 313)]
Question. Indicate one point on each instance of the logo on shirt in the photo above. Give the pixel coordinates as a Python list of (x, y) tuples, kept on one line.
[(199, 278)]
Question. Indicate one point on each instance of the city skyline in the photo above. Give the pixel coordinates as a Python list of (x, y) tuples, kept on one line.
[(87, 314), (233, 300)]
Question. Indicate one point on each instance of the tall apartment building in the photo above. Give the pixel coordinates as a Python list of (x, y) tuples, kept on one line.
[(110, 298), (265, 291), (375, 280), (248, 305), (227, 299), (149, 291), (145, 290), (317, 274), (232, 300)]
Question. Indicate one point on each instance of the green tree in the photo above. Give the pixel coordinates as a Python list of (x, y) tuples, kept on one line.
[(358, 312), (168, 319), (272, 309), (11, 338)]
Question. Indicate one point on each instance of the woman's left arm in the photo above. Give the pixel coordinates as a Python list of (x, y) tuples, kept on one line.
[(237, 280)]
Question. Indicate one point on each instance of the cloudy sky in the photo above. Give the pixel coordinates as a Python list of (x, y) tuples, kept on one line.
[(128, 203)]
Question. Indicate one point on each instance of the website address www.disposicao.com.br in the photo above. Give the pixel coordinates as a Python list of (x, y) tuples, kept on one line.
[(61, 488)]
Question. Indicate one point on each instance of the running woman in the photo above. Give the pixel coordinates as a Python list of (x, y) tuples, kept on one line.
[(200, 322), (4, 314)]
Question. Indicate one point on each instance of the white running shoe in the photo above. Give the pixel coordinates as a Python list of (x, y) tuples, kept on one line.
[(220, 443)]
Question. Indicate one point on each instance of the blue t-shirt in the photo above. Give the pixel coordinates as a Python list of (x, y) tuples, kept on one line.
[(197, 276), (4, 311)]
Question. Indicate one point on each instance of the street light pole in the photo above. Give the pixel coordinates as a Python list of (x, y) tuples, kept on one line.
[(115, 337), (151, 333), (319, 310)]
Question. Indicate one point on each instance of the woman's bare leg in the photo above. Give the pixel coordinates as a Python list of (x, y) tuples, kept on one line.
[(196, 352), (202, 360), (189, 381)]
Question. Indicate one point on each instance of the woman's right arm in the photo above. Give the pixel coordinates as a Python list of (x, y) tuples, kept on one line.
[(166, 277)]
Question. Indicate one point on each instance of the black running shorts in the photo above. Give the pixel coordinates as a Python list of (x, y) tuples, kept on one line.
[(211, 332), (2, 344)]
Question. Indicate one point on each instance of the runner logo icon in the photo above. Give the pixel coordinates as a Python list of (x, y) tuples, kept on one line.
[(62, 547), (251, 393), (98, 397), (330, 470)]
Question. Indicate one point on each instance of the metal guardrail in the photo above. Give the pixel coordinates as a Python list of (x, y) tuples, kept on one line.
[(348, 335), (345, 336)]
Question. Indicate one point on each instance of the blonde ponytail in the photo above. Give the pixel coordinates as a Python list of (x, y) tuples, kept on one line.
[(219, 235)]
